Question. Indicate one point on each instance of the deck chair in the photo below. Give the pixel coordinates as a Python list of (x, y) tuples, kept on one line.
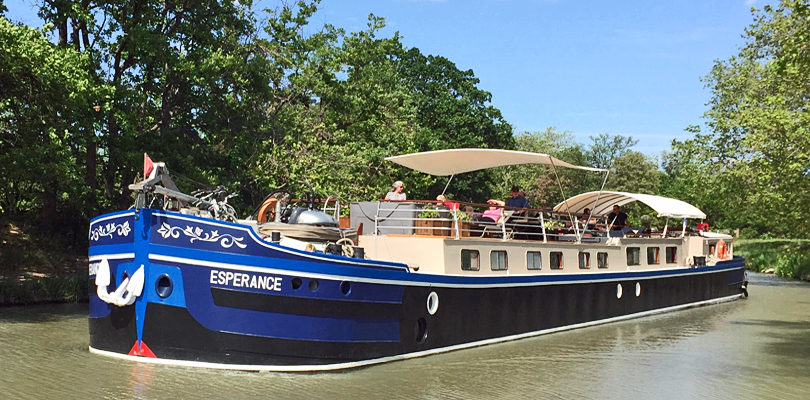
[(499, 228)]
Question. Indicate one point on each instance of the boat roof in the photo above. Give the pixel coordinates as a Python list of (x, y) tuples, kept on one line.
[(664, 206), (457, 161)]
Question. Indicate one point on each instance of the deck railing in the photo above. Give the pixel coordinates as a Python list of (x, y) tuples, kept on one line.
[(462, 219)]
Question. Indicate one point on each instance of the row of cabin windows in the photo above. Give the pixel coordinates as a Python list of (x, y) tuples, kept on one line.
[(653, 255), (498, 260)]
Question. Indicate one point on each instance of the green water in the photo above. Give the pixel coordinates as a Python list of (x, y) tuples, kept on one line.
[(756, 348)]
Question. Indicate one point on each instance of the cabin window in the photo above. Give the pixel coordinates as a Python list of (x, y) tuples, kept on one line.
[(602, 260), (534, 260), (672, 255), (633, 256), (498, 260), (584, 260), (470, 260), (556, 260), (653, 255)]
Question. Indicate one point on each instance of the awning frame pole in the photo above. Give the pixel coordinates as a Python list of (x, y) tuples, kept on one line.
[(448, 184), (596, 203)]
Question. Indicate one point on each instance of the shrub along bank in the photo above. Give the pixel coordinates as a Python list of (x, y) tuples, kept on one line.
[(790, 258)]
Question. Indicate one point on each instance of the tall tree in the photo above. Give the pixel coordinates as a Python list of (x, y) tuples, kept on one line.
[(759, 115)]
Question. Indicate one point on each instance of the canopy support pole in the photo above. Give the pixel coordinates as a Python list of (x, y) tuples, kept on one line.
[(448, 184), (683, 233), (562, 191), (666, 225), (595, 203)]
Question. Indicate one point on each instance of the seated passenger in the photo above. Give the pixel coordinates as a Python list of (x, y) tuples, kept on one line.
[(586, 220), (516, 201), (617, 219)]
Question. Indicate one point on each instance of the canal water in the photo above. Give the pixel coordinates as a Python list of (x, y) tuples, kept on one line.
[(755, 348)]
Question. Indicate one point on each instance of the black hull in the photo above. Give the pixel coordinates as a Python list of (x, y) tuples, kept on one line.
[(465, 317)]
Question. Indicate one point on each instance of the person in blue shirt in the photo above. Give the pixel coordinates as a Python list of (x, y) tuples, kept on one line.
[(516, 201)]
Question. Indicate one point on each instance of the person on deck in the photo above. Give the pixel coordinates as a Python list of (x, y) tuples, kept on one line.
[(617, 218), (396, 193), (586, 220), (516, 201)]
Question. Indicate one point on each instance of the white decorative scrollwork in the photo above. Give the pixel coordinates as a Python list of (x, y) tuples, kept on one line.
[(197, 233), (110, 229)]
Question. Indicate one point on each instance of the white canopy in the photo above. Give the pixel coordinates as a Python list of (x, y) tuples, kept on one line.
[(665, 206), (456, 161)]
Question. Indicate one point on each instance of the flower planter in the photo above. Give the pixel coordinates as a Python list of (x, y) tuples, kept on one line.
[(429, 228), (463, 229)]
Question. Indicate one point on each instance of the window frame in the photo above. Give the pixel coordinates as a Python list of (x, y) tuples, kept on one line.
[(556, 256), (540, 259), (656, 253), (587, 259), (478, 258), (505, 260), (674, 254), (598, 264), (637, 250)]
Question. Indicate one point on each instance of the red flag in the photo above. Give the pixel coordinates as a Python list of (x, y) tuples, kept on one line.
[(148, 166)]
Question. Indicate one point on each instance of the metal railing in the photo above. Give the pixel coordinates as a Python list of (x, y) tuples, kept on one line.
[(462, 219)]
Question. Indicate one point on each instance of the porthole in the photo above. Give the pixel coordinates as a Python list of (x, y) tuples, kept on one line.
[(296, 283), (638, 289), (619, 291), (432, 303), (313, 285), (345, 288), (164, 286), (421, 330)]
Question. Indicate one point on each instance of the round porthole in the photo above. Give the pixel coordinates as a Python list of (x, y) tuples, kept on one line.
[(638, 289), (432, 303), (421, 330), (345, 288), (619, 291), (164, 286), (296, 283), (313, 285)]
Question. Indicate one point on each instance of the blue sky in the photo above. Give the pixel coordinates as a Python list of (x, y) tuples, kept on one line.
[(589, 67)]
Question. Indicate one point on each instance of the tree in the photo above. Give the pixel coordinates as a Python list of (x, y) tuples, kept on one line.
[(46, 90), (604, 149), (759, 117)]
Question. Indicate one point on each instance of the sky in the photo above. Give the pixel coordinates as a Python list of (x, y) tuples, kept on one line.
[(631, 67)]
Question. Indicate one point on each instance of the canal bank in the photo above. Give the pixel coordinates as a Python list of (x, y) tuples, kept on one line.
[(754, 348)]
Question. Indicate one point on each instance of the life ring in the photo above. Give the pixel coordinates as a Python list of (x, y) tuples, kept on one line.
[(267, 211), (722, 251)]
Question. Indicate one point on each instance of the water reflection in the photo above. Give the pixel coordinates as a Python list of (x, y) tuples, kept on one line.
[(749, 349)]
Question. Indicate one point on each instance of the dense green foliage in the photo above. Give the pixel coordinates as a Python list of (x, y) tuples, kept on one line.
[(256, 99), (752, 171), (789, 258), (223, 95)]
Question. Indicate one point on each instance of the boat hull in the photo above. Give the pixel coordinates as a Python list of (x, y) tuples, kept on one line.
[(263, 307)]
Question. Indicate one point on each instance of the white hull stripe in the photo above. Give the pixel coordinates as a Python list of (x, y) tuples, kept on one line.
[(102, 219), (237, 267), (119, 256), (356, 364)]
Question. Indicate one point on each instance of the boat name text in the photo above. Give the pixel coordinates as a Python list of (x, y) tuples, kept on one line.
[(238, 279)]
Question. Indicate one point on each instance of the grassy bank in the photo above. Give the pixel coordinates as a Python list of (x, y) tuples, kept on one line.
[(35, 269), (790, 258)]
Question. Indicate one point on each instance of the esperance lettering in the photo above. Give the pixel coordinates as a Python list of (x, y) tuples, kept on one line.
[(238, 279)]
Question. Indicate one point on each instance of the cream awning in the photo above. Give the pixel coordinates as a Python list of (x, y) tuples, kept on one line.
[(664, 206), (457, 161)]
